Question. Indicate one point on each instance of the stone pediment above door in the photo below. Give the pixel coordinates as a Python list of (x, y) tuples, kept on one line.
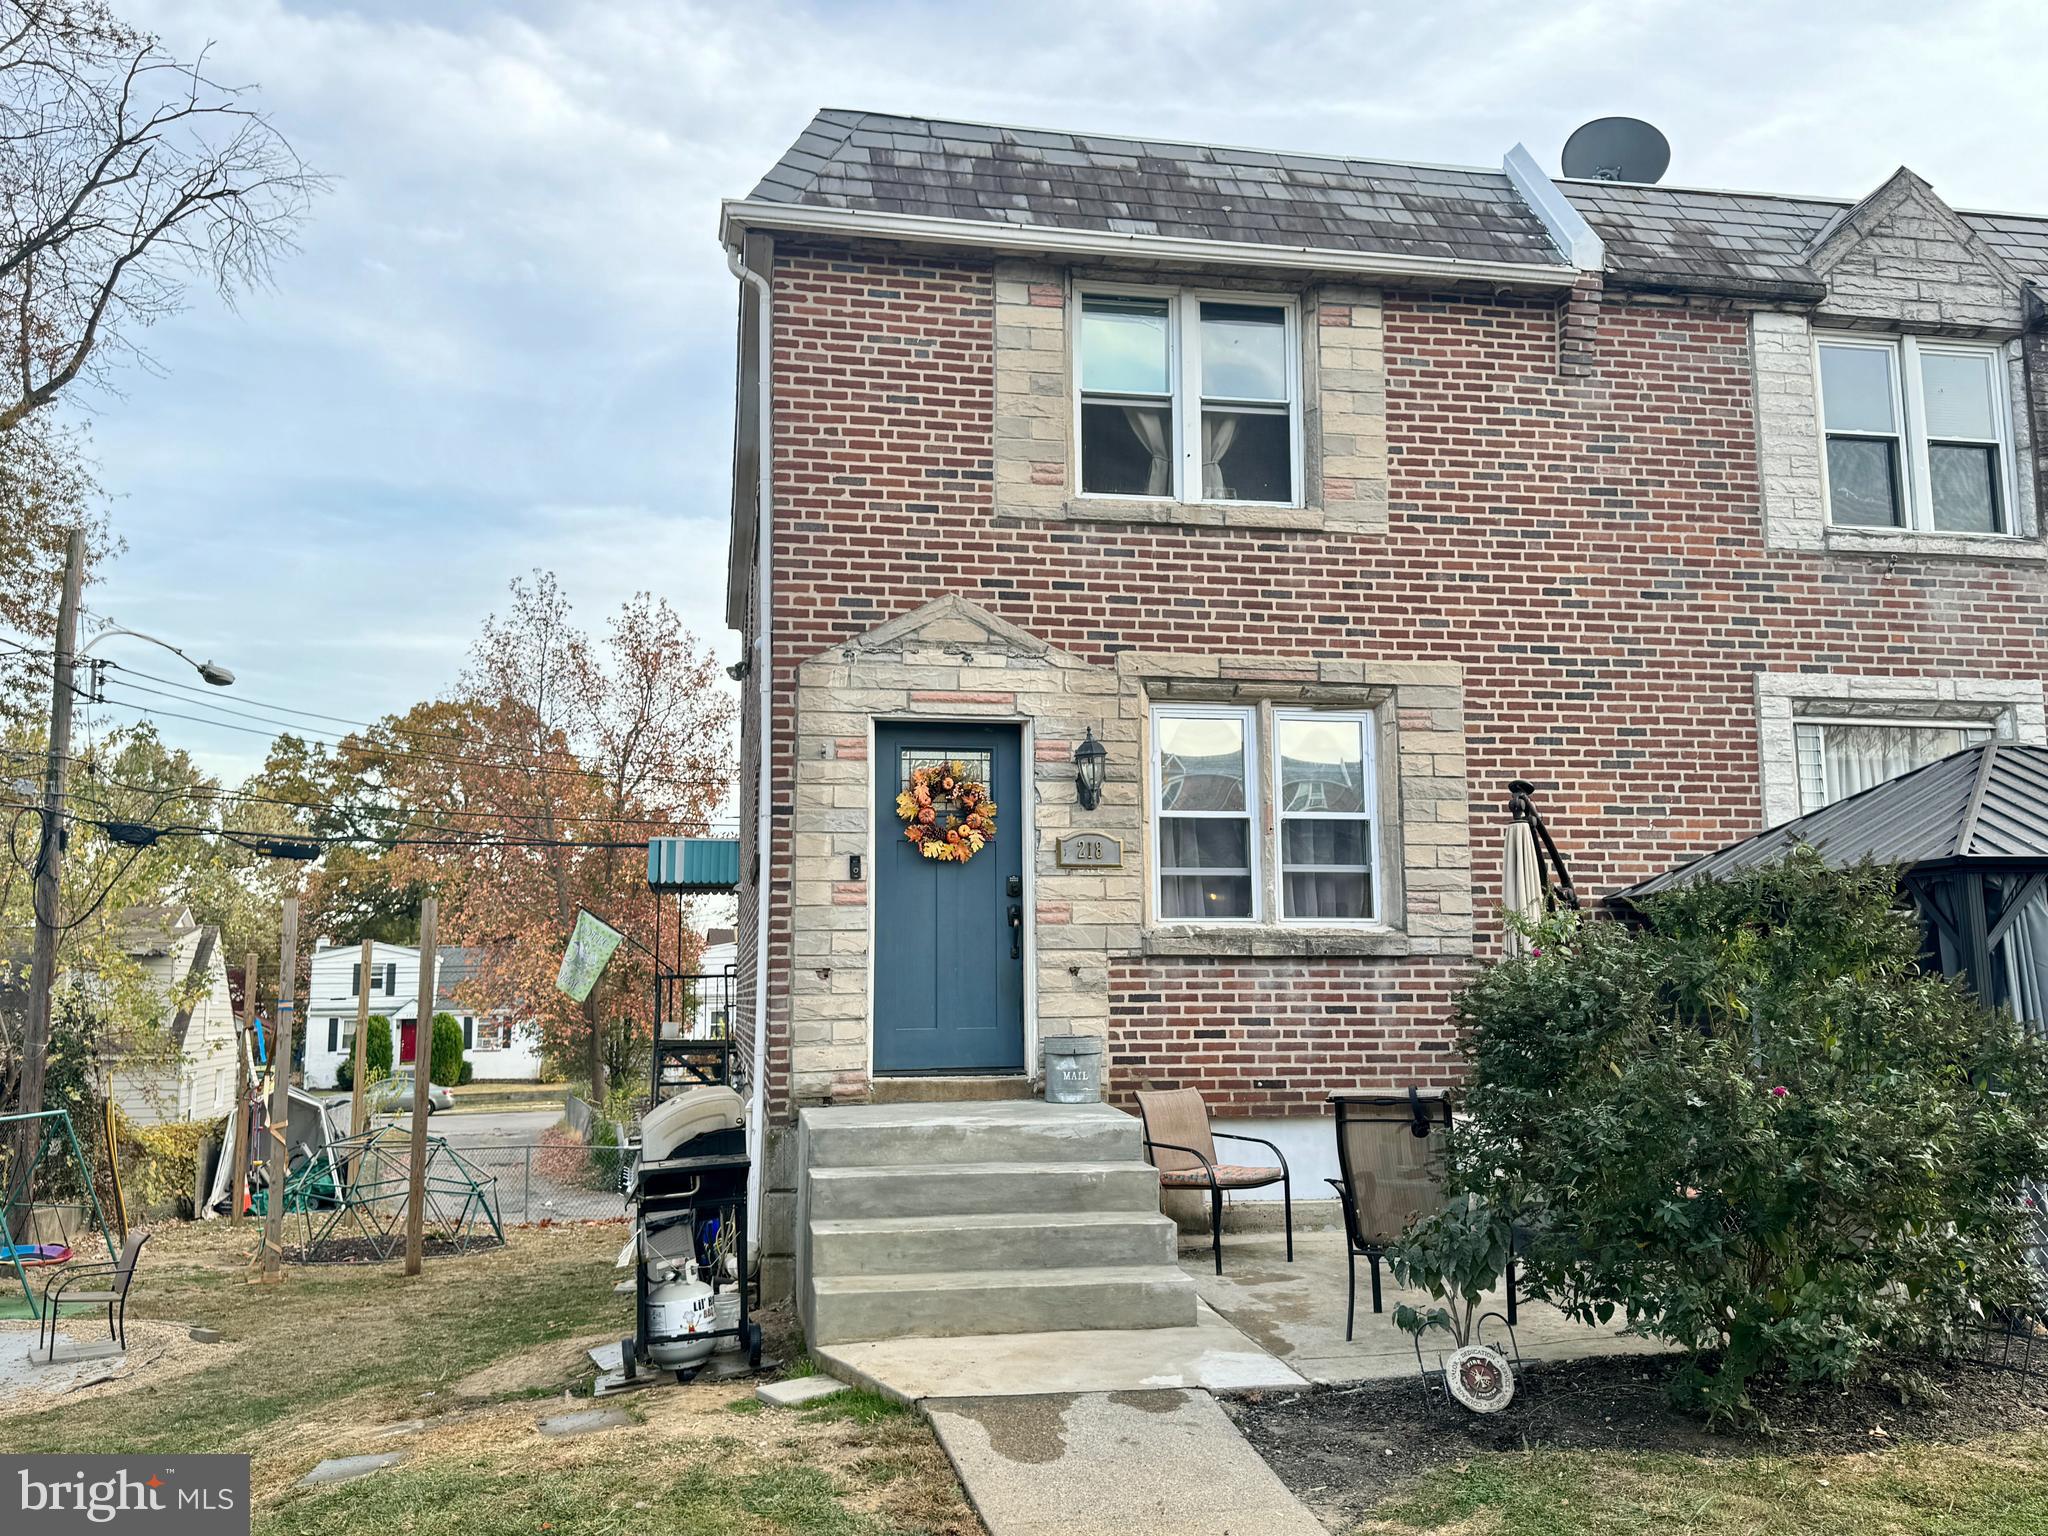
[(951, 629), (1903, 257)]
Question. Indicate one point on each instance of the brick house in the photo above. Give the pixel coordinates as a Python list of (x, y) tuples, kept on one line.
[(1328, 496)]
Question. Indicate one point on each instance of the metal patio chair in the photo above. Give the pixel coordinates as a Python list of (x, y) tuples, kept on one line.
[(119, 1275), (1181, 1144), (1387, 1149)]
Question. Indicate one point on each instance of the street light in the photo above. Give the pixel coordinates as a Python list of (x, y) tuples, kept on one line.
[(44, 888), (214, 673)]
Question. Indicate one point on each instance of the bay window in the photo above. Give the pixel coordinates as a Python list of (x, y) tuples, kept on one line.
[(1918, 434), (1213, 766), (1189, 397)]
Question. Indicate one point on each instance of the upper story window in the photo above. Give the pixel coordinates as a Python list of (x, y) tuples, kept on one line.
[(1189, 397), (1919, 435), (1842, 757), (1211, 843)]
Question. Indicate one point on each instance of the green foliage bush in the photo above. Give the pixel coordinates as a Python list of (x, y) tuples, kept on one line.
[(1754, 1127), (345, 1074), (377, 1050), (445, 1064), (467, 1074)]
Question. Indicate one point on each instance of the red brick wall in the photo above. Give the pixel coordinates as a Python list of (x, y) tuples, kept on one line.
[(1588, 547)]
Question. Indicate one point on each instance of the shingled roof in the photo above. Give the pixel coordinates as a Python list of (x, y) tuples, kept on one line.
[(1678, 237), (1025, 176), (1984, 802)]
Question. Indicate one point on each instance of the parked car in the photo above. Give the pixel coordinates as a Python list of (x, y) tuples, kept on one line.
[(394, 1096)]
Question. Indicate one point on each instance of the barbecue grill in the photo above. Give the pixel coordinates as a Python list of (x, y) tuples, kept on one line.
[(688, 1196)]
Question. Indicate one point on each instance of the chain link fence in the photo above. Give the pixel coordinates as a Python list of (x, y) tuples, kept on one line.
[(551, 1180)]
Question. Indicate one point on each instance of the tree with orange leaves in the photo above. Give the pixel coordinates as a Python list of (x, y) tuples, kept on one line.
[(556, 759)]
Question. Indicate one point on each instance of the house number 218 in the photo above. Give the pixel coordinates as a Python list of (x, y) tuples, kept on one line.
[(1089, 850)]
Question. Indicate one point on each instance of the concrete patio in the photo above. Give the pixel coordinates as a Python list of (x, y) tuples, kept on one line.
[(1295, 1312), (1263, 1323)]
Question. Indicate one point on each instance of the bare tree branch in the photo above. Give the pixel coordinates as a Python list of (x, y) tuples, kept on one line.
[(125, 176)]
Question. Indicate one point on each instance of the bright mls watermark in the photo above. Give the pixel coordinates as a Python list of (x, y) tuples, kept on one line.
[(161, 1495)]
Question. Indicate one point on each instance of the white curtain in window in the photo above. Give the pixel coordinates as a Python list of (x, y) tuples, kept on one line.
[(1218, 433), (1148, 425)]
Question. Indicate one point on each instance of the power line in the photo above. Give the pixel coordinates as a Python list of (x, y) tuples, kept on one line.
[(335, 840), (409, 753)]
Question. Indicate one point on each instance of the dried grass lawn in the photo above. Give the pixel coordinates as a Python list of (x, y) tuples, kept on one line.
[(454, 1369)]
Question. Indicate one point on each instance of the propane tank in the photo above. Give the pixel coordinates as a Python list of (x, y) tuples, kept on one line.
[(679, 1308)]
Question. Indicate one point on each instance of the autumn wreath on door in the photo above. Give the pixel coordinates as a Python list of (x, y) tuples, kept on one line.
[(948, 815)]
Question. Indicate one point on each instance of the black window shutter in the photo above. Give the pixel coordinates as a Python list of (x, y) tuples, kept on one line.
[(468, 1032), (391, 976), (333, 1035), (355, 979)]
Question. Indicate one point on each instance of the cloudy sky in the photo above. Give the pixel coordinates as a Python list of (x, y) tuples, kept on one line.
[(507, 341)]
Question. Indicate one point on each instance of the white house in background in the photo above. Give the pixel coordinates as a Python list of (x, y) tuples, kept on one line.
[(498, 1046), (182, 962)]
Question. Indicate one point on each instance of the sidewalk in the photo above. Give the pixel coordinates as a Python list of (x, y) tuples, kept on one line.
[(1166, 1463)]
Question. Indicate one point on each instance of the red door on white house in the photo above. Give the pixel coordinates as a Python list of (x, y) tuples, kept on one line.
[(408, 1039)]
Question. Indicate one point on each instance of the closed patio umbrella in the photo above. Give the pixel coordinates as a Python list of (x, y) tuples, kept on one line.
[(1521, 880)]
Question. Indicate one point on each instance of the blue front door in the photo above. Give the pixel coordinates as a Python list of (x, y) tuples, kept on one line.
[(949, 938)]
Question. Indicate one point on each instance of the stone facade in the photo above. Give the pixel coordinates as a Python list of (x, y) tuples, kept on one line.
[(953, 660)]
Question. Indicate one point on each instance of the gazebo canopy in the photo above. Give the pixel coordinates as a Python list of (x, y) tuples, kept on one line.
[(1985, 804), (1970, 836)]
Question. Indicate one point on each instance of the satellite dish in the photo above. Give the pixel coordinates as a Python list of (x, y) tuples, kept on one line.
[(1617, 149)]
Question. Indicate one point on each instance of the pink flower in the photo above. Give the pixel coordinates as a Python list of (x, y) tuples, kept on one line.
[(1535, 949), (1780, 1092)]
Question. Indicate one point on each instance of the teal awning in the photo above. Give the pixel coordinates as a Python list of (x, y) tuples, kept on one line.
[(701, 866)]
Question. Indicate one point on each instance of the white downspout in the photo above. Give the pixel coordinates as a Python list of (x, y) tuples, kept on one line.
[(735, 258)]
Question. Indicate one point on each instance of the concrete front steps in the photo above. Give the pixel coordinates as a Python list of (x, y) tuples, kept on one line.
[(946, 1220)]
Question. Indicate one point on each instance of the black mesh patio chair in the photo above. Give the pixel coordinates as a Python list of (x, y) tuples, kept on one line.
[(116, 1277), (1181, 1144), (1389, 1149)]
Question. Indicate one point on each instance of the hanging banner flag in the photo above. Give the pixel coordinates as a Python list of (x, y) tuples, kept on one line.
[(590, 947)]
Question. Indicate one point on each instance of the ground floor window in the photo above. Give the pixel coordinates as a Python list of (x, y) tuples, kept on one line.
[(1214, 766), (1841, 757)]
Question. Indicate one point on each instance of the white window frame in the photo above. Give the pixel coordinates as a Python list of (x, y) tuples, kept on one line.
[(1909, 406), (1367, 721), (1184, 375), (1254, 833), (1999, 723)]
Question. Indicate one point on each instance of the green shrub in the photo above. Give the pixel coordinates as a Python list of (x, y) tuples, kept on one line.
[(377, 1049), (467, 1074), (444, 1065), (607, 1159), (345, 1074), (1755, 1128)]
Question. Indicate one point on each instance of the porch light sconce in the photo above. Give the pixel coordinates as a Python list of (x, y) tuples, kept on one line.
[(1089, 758)]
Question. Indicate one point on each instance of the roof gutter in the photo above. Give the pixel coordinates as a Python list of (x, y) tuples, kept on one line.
[(736, 216)]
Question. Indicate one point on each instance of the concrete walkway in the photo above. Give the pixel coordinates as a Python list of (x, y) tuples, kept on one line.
[(1165, 1463), (1211, 1355)]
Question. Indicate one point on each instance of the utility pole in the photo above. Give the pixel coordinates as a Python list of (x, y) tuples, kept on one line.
[(422, 1060), (358, 1108), (278, 1165), (239, 1194), (44, 894)]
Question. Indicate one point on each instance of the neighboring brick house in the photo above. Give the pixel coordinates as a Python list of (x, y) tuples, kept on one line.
[(1328, 496)]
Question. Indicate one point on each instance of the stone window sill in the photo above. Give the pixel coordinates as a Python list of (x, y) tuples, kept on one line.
[(1189, 514), (1937, 546), (1290, 943)]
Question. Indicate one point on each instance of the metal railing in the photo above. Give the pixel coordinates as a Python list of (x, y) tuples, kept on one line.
[(692, 1032)]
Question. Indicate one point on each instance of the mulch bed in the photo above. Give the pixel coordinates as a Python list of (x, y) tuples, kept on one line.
[(1346, 1448), (363, 1250)]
